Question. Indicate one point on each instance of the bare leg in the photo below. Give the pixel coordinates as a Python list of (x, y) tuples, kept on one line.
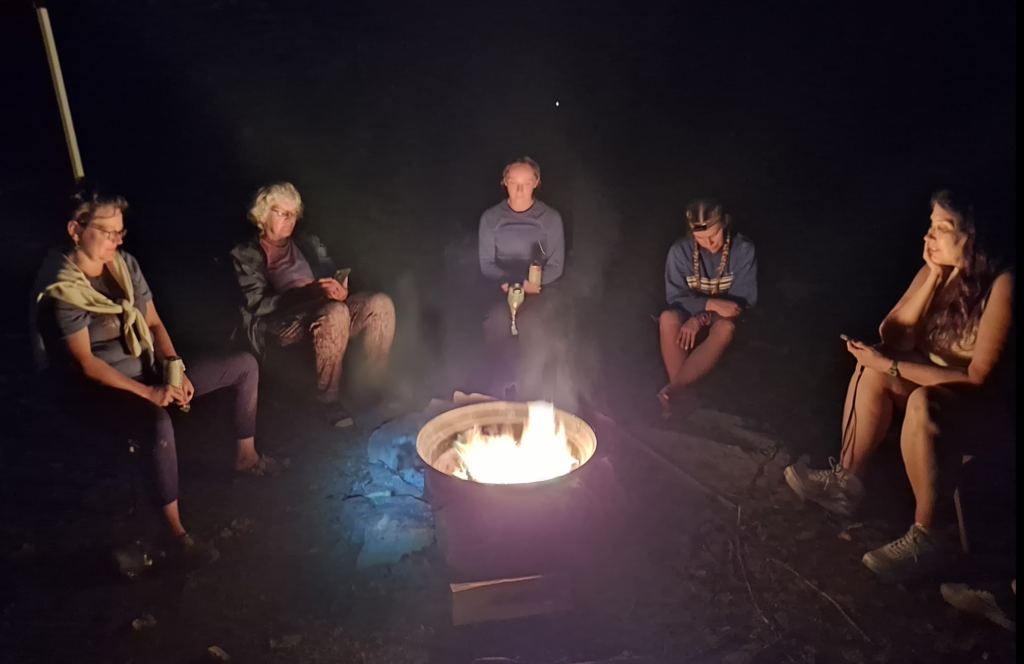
[(671, 354), (705, 356), (173, 519), (927, 464), (871, 397)]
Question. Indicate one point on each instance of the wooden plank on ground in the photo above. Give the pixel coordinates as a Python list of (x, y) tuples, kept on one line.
[(503, 599)]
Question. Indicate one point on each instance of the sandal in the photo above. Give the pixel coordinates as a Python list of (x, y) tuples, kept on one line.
[(190, 552), (666, 407), (265, 466)]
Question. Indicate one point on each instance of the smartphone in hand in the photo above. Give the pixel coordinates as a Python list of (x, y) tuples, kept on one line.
[(341, 275)]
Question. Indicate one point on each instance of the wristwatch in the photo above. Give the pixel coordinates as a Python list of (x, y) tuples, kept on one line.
[(894, 370)]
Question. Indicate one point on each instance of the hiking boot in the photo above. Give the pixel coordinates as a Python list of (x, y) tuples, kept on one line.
[(994, 602), (915, 554), (837, 490)]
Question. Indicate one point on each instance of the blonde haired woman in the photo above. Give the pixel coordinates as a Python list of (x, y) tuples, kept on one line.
[(294, 295)]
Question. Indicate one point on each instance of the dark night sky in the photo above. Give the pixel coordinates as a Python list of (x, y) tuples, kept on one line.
[(394, 119)]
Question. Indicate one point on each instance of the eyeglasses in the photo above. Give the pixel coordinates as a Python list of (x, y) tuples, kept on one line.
[(286, 214), (113, 236)]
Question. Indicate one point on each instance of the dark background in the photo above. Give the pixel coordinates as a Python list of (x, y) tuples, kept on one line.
[(824, 127)]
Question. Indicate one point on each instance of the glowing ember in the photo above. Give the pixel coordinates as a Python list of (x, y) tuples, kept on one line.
[(540, 454)]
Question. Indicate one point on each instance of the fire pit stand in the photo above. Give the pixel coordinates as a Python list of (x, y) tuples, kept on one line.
[(491, 533)]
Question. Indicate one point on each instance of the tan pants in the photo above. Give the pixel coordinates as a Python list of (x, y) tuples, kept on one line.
[(329, 325)]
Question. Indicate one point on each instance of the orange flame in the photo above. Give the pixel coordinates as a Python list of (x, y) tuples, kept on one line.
[(542, 452)]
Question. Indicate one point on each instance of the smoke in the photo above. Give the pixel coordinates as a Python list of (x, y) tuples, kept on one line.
[(562, 361)]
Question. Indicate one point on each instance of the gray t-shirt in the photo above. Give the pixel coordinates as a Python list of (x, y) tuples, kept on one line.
[(105, 333)]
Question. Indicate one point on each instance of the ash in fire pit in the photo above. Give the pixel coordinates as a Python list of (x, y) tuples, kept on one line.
[(506, 443)]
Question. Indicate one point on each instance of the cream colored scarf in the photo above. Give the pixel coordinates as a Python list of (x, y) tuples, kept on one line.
[(73, 287)]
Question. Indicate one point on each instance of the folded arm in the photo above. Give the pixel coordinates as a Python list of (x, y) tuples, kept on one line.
[(899, 329), (993, 334)]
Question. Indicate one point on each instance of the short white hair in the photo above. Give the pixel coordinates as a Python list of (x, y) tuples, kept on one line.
[(267, 196)]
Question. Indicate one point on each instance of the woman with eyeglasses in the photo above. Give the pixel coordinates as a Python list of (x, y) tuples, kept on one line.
[(295, 297), (103, 344)]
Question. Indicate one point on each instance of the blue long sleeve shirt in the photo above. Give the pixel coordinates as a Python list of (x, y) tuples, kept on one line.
[(509, 241), (690, 292)]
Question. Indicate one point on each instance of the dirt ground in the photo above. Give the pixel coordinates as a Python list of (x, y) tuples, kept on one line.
[(663, 571), (395, 125)]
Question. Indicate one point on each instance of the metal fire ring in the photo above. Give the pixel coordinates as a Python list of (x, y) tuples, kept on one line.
[(435, 438)]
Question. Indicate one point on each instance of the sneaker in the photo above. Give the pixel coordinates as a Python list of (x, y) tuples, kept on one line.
[(336, 415), (915, 554), (837, 490), (989, 601)]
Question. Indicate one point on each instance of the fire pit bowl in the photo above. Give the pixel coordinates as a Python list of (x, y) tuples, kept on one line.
[(487, 530), (435, 442)]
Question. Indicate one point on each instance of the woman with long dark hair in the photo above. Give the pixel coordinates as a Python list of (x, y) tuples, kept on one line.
[(940, 347)]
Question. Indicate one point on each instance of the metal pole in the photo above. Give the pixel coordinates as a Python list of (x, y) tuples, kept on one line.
[(58, 86)]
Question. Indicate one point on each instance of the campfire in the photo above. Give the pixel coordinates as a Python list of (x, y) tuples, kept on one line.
[(503, 481), (540, 453), (506, 443)]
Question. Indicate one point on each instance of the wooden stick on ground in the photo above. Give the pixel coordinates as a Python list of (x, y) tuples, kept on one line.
[(743, 569), (669, 464), (826, 596)]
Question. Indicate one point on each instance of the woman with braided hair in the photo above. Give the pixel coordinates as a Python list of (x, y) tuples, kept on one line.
[(710, 280)]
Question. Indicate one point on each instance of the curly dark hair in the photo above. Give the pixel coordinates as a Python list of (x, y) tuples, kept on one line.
[(958, 308)]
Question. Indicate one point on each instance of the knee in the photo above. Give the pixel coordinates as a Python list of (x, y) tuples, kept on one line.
[(669, 321), (163, 428), (248, 368), (920, 407), (247, 365), (723, 329), (380, 304), (336, 315), (872, 379)]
